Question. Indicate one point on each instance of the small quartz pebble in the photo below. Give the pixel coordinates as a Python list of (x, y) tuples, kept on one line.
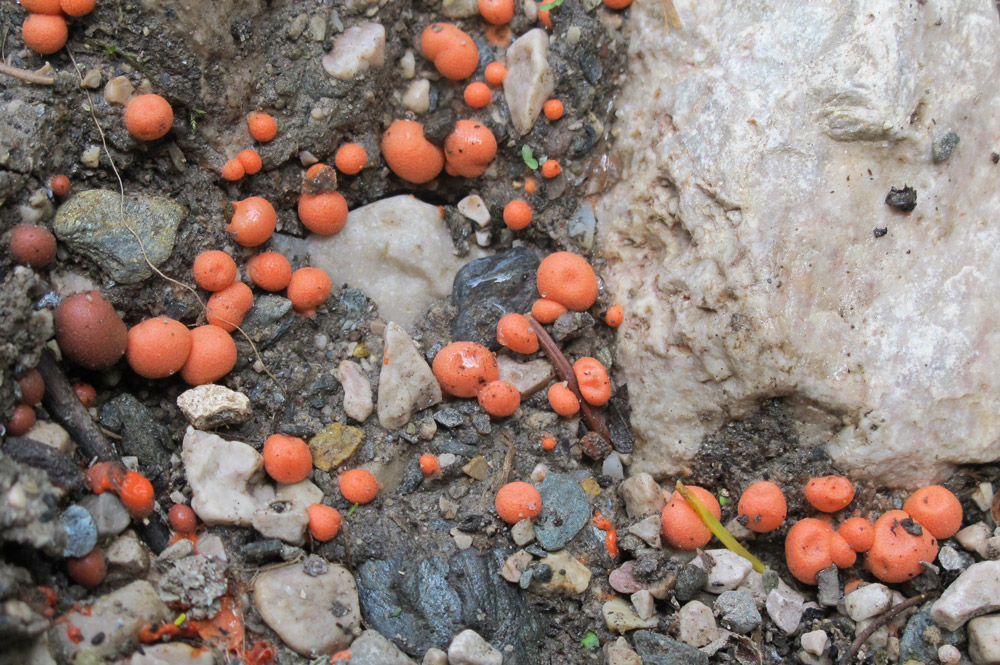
[(974, 537), (523, 532), (785, 606), (696, 624), (110, 516), (406, 383), (948, 654), (469, 648), (127, 558), (612, 467), (648, 530), (726, 571), (815, 642), (463, 541), (514, 565), (977, 588), (620, 652), (569, 576), (621, 618), (867, 601), (473, 207), (622, 580), (530, 80), (210, 406), (644, 603), (356, 51), (529, 377), (357, 390), (984, 640), (435, 657), (642, 496)]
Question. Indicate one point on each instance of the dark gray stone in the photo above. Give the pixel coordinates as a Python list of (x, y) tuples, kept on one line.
[(81, 532), (267, 309), (690, 581), (912, 645), (448, 417), (944, 145), (737, 611), (439, 596), (110, 516), (829, 587), (90, 224), (486, 289), (143, 435), (657, 649), (564, 511)]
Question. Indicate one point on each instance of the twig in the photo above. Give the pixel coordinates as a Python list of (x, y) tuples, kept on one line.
[(595, 421), (26, 75), (879, 621), (62, 471), (65, 407)]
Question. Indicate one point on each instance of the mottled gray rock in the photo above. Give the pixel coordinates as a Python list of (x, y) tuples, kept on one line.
[(442, 595), (975, 591), (912, 645), (312, 614), (127, 558), (488, 288), (119, 616), (81, 532), (828, 593), (195, 582), (90, 224), (564, 511), (370, 648), (690, 581), (951, 559), (764, 229), (143, 435), (267, 310), (943, 145), (657, 649), (737, 611), (469, 648)]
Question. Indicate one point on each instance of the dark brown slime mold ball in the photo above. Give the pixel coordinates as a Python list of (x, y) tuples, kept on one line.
[(89, 331)]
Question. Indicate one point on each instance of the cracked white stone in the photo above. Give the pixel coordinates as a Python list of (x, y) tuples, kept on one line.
[(530, 81), (406, 383), (357, 50)]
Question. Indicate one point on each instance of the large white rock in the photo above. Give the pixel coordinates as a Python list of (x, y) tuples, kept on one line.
[(224, 477), (312, 614), (974, 592), (397, 250), (756, 148), (357, 50)]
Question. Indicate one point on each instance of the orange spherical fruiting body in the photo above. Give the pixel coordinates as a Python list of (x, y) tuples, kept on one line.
[(409, 154), (250, 161), (615, 316), (453, 52), (148, 117), (253, 221), (233, 170), (214, 270), (263, 127), (32, 246), (546, 310), (807, 549), (829, 493), (89, 331), (21, 421), (324, 522), (429, 465), (308, 289), (517, 214), (495, 73), (499, 399), (137, 495), (287, 459), (477, 95), (553, 109), (226, 308), (681, 526), (77, 8), (44, 33), (89, 570), (158, 347), (32, 387), (937, 509), (182, 519), (324, 214), (899, 547), (568, 279), (213, 355), (358, 486), (764, 507), (270, 271), (497, 12), (462, 368), (515, 332), (563, 400), (469, 149), (350, 158), (518, 501), (592, 378)]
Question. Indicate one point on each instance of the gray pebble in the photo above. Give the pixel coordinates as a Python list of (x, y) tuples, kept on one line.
[(690, 581), (737, 611), (81, 532), (564, 511), (944, 145)]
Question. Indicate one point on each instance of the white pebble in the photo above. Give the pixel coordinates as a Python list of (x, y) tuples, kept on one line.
[(417, 97), (815, 642), (949, 654)]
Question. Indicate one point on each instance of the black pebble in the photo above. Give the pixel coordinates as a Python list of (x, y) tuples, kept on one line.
[(904, 200)]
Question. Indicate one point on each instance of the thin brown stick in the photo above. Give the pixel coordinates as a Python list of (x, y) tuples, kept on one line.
[(26, 75), (879, 621), (595, 421), (61, 470), (65, 407)]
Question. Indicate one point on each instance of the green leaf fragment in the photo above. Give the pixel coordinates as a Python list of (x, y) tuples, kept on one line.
[(351, 511), (591, 641), (529, 158), (549, 6), (716, 527)]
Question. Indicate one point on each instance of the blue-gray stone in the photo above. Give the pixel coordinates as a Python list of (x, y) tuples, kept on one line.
[(657, 649), (912, 645), (581, 225), (486, 289), (564, 511), (81, 532)]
